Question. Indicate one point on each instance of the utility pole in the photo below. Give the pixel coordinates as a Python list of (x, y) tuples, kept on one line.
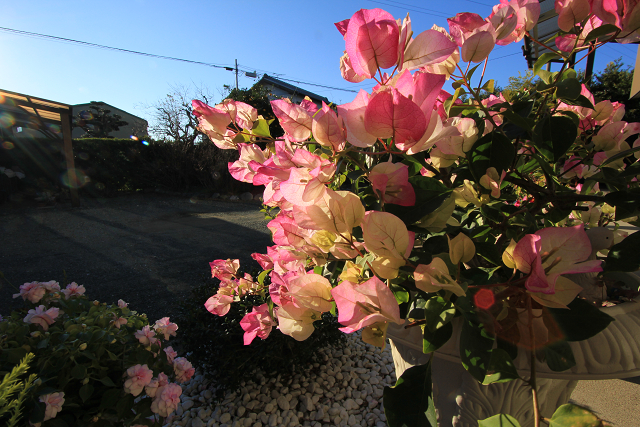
[(236, 74)]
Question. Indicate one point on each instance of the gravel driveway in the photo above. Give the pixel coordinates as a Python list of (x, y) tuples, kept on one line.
[(146, 249)]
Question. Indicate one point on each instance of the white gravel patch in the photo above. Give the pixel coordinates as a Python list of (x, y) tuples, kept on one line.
[(344, 388)]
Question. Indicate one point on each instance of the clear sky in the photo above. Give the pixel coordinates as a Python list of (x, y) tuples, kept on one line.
[(292, 39)]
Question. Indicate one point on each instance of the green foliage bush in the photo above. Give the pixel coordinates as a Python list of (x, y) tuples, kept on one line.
[(216, 342), (84, 352)]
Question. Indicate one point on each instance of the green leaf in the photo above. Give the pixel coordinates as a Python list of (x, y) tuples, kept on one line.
[(554, 135), (475, 349), (570, 415), (79, 372), (85, 392), (517, 120), (627, 203), (430, 193), (501, 368), (581, 101), (568, 89), (559, 356), (492, 150), (451, 101), (14, 355), (603, 30), (470, 73), (580, 322), (544, 59), (620, 155), (125, 404), (433, 340), (261, 128), (107, 381), (262, 275), (400, 293), (500, 420), (110, 398), (489, 86), (410, 402), (438, 312), (624, 256)]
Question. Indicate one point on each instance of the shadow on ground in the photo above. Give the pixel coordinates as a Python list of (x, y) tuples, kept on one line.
[(146, 249)]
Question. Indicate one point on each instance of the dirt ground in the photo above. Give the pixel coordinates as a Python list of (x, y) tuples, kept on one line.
[(146, 249)]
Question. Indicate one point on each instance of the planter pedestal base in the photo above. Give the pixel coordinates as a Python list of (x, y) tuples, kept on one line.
[(461, 401)]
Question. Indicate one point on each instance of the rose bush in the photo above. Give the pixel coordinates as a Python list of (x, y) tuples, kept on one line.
[(410, 205), (96, 364)]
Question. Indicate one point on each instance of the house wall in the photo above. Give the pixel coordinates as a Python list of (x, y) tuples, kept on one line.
[(136, 126)]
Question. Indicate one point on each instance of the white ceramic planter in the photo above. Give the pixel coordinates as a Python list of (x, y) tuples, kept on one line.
[(461, 401)]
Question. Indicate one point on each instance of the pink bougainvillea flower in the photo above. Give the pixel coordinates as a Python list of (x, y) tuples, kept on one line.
[(183, 369), (428, 48), (296, 322), (294, 119), (435, 276), (475, 36), (243, 168), (166, 399), (53, 404), (146, 336), (386, 236), (552, 252), (365, 304), (371, 40), (390, 114), (224, 268), (571, 12), (166, 328), (624, 14), (138, 377), (266, 263), (311, 291), (42, 317), (286, 232), (73, 289), (258, 323), (353, 115), (391, 182), (32, 291), (492, 181), (329, 129), (338, 212), (242, 114), (219, 304), (347, 71), (213, 122), (526, 12)]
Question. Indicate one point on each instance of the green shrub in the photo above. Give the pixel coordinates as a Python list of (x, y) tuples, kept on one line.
[(216, 342), (85, 354)]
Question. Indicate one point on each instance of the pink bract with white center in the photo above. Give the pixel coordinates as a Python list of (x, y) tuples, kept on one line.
[(139, 377), (183, 369), (166, 400), (552, 252), (391, 182), (224, 268), (73, 289), (166, 328), (365, 304), (53, 404), (32, 291), (42, 317), (258, 323), (219, 304)]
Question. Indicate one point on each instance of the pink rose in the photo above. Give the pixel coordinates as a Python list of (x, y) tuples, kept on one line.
[(139, 377), (166, 399), (166, 328), (53, 402), (183, 369), (41, 317), (73, 289), (32, 291)]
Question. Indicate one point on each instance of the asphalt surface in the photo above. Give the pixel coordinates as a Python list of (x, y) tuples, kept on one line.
[(147, 249)]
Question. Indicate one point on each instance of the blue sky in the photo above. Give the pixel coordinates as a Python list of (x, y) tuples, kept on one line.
[(294, 39)]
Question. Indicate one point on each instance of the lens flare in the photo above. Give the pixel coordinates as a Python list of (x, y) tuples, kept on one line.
[(135, 138), (2, 99), (7, 145), (83, 156), (484, 299), (74, 178), (7, 120), (54, 128), (86, 115), (145, 143)]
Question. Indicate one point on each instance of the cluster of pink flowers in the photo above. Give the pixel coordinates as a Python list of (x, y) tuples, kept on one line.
[(42, 316), (316, 223), (165, 395), (35, 291)]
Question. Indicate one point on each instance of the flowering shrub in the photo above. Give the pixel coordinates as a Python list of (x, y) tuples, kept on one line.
[(409, 206), (216, 343), (96, 364)]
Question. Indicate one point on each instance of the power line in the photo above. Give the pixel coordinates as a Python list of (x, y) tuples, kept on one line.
[(440, 14), (151, 55), (416, 7)]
